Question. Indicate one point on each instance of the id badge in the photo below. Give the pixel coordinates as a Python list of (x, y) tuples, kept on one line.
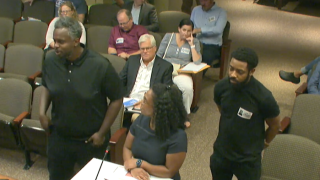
[(185, 50), (212, 18), (119, 40), (244, 113)]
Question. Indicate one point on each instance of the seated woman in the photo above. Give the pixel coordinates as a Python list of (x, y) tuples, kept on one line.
[(157, 142), (181, 48), (66, 9)]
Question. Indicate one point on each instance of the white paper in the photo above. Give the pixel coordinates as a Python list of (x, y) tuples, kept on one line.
[(193, 67)]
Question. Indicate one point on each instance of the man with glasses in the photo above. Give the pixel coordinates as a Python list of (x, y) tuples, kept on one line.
[(123, 40)]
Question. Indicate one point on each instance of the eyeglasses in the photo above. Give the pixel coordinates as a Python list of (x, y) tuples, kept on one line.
[(146, 48), (65, 12), (125, 23)]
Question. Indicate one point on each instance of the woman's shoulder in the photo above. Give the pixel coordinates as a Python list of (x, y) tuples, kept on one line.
[(178, 135)]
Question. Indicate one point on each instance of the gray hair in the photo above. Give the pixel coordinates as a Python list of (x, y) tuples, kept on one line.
[(145, 37), (73, 26), (128, 13)]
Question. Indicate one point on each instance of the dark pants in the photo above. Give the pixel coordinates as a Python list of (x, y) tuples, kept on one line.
[(223, 169), (210, 53), (64, 153), (187, 4)]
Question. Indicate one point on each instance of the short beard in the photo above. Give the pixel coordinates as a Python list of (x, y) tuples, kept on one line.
[(239, 85)]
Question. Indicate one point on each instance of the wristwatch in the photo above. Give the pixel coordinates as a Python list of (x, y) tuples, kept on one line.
[(193, 46), (138, 163)]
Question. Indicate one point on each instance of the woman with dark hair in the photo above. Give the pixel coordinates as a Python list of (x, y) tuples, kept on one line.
[(157, 143), (180, 49)]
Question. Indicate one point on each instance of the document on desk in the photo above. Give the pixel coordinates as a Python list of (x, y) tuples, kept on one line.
[(192, 67)]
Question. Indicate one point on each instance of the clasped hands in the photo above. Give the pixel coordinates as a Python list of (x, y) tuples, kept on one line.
[(124, 55), (138, 173)]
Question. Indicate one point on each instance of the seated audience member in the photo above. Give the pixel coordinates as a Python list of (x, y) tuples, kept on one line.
[(124, 38), (143, 14), (209, 22), (157, 143), (80, 6), (314, 81), (294, 77), (146, 69), (181, 48), (65, 9)]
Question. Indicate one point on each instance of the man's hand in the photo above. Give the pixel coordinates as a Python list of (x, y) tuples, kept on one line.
[(130, 164), (196, 31), (45, 123), (137, 105), (123, 55), (140, 174), (190, 40), (97, 139)]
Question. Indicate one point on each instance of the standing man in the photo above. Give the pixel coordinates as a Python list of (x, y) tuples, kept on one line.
[(143, 14), (245, 105), (77, 82), (186, 5), (209, 22), (123, 40)]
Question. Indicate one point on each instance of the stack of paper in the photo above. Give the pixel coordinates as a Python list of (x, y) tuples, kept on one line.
[(192, 67)]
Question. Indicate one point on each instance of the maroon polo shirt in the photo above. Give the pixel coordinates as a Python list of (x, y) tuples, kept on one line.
[(126, 41)]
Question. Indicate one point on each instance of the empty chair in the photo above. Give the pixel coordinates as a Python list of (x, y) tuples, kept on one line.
[(30, 32), (33, 136), (11, 9), (98, 38), (2, 50), (103, 14), (42, 10), (6, 30), (117, 62), (15, 101), (23, 62), (291, 157), (169, 20)]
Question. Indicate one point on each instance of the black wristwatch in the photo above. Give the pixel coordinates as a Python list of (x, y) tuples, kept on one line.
[(138, 163)]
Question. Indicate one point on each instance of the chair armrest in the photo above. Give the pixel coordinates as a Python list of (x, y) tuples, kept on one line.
[(301, 89), (33, 77), (43, 45), (1, 69), (116, 143), (19, 119), (285, 124)]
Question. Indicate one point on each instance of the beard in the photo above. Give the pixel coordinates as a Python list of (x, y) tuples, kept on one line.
[(239, 85)]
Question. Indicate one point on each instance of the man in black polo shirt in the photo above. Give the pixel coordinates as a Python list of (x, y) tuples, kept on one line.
[(78, 82), (245, 105)]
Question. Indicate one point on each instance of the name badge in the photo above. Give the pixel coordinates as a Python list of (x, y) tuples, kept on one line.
[(185, 50), (119, 41), (244, 113), (212, 18)]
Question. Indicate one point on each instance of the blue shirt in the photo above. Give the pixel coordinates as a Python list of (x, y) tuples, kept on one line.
[(211, 22), (313, 83), (80, 5)]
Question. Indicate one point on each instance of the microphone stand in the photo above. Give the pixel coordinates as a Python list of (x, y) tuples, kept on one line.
[(105, 154)]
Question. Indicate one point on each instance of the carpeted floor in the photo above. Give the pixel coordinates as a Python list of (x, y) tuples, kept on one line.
[(282, 40)]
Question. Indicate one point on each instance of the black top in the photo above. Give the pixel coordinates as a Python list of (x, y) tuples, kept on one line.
[(243, 112), (78, 91), (148, 147)]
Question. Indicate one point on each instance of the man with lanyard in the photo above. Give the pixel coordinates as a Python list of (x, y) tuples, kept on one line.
[(77, 82), (209, 22), (245, 105)]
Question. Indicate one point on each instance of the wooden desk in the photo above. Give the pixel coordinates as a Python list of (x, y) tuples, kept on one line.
[(108, 170), (2, 177)]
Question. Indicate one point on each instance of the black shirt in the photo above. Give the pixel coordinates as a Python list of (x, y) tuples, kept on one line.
[(148, 147), (243, 112), (78, 91)]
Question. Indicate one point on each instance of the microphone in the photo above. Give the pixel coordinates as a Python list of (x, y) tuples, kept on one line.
[(105, 154)]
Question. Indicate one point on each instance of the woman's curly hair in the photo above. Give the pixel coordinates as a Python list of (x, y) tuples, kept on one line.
[(169, 111)]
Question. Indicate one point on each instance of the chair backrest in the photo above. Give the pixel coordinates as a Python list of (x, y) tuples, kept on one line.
[(98, 38), (42, 10), (305, 117), (2, 51), (23, 60), (11, 9), (226, 31), (117, 62), (6, 30), (15, 97), (291, 157), (103, 14), (158, 38), (36, 104), (169, 20), (30, 32)]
